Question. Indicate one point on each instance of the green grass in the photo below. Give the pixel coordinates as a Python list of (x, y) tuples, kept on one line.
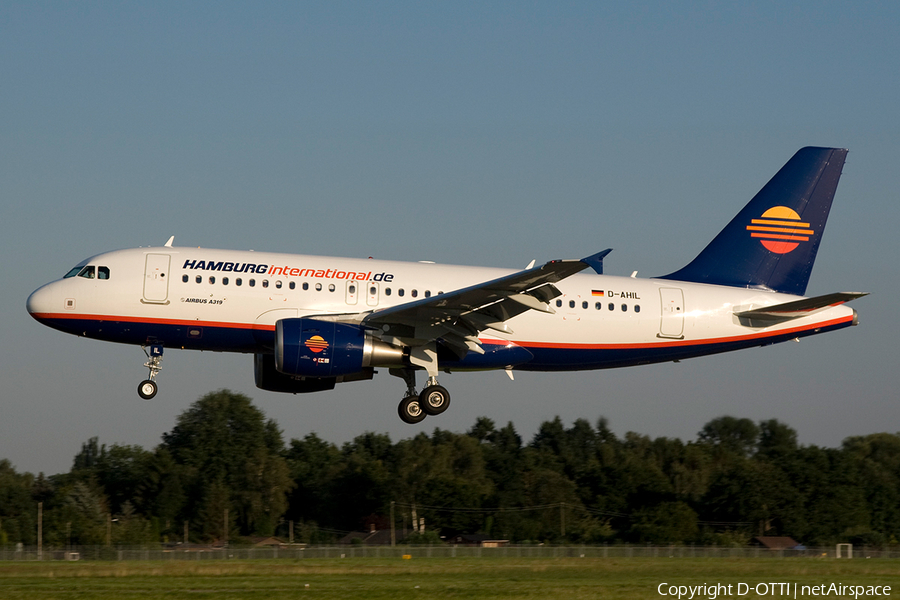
[(396, 579)]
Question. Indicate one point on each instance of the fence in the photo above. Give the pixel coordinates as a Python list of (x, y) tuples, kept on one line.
[(298, 552)]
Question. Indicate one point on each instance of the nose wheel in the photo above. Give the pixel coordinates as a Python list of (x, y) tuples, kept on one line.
[(148, 388)]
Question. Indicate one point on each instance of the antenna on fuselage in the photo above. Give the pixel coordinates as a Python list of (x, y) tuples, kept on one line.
[(169, 243)]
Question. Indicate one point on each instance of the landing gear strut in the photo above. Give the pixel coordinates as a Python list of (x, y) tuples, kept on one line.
[(414, 407), (148, 388)]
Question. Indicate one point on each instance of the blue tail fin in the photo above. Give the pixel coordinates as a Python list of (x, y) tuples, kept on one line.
[(772, 243)]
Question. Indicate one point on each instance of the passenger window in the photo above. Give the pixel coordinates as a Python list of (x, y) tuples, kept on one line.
[(414, 293), (558, 303), (265, 283), (212, 279), (400, 292), (352, 289), (373, 291), (612, 306), (428, 293), (387, 291), (252, 283), (571, 304), (224, 281), (624, 308), (584, 304), (198, 279), (87, 273), (330, 287), (185, 278), (637, 308), (238, 281), (292, 285), (598, 306), (305, 286), (102, 272), (278, 284), (318, 287)]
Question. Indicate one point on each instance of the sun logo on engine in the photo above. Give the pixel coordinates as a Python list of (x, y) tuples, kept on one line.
[(317, 344), (780, 230)]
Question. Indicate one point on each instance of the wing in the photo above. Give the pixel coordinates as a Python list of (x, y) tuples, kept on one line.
[(457, 317)]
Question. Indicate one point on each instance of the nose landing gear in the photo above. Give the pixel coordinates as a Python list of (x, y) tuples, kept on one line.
[(148, 388)]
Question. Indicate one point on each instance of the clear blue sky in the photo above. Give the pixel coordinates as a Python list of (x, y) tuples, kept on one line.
[(468, 133)]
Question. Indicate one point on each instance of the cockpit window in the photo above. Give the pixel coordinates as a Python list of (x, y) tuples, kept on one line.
[(75, 271), (87, 272), (102, 272)]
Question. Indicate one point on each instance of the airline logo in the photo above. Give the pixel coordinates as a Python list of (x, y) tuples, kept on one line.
[(286, 271), (317, 344), (780, 230)]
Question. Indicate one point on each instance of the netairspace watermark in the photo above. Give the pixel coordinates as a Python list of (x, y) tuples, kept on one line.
[(777, 589)]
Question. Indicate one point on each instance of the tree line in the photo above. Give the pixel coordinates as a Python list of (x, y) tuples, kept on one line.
[(225, 472)]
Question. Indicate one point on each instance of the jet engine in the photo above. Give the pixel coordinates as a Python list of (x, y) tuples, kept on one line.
[(322, 349)]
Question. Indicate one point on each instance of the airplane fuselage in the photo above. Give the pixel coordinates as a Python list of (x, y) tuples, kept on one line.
[(224, 300), (312, 321)]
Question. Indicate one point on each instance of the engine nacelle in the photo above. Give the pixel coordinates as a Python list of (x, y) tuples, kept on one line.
[(316, 348), (269, 379)]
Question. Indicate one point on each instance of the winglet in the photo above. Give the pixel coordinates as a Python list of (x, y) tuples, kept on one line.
[(595, 261)]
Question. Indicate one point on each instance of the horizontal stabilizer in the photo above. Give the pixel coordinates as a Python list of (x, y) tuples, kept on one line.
[(798, 308)]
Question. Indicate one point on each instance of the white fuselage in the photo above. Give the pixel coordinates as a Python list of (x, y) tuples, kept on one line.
[(230, 301)]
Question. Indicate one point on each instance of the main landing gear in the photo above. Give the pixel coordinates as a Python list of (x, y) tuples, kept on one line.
[(433, 400), (148, 388)]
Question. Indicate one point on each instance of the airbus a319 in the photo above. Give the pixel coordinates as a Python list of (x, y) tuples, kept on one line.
[(312, 322)]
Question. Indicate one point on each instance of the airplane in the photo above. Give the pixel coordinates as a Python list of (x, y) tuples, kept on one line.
[(312, 322)]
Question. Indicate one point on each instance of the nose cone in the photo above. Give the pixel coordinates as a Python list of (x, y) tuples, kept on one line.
[(41, 303)]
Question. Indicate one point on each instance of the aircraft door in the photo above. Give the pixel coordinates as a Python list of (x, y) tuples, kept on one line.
[(672, 323), (372, 293), (352, 295), (156, 278)]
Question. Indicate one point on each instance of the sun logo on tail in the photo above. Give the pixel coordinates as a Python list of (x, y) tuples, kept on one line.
[(780, 230), (317, 344)]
